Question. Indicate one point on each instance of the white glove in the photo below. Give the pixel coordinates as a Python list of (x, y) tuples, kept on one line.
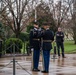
[(32, 49)]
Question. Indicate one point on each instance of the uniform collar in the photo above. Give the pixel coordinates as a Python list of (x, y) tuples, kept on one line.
[(35, 28), (47, 29)]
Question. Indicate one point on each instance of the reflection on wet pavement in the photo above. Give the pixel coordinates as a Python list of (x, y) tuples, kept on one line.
[(60, 66)]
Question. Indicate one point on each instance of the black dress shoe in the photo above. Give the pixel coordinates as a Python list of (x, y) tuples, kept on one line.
[(64, 57), (36, 70), (44, 71)]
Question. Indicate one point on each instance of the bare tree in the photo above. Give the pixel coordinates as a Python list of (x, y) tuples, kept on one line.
[(60, 11), (72, 14), (17, 12), (74, 20)]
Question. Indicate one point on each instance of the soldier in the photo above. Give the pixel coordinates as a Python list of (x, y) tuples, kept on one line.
[(48, 37), (59, 42), (35, 46)]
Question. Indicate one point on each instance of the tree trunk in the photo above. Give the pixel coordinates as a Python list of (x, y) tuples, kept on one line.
[(74, 32), (74, 37), (17, 33)]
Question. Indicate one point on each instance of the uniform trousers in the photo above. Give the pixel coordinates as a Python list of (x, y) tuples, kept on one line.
[(36, 55), (60, 45), (46, 59)]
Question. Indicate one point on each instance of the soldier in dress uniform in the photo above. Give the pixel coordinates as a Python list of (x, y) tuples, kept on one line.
[(59, 42), (35, 46), (47, 37)]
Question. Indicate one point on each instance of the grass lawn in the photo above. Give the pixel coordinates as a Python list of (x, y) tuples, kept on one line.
[(70, 47)]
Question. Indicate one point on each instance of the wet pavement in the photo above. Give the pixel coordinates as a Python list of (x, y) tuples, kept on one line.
[(60, 66)]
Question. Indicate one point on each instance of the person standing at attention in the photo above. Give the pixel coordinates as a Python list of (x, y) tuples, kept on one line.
[(48, 37), (35, 46)]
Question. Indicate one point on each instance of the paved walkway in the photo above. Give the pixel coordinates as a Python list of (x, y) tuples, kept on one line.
[(60, 66)]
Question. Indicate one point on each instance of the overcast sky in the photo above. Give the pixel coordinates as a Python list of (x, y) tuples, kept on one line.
[(54, 0)]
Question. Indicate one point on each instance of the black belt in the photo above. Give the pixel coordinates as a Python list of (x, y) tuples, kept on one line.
[(37, 39), (47, 40)]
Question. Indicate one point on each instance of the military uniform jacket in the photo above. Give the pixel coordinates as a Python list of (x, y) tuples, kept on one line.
[(48, 37), (59, 37), (34, 39)]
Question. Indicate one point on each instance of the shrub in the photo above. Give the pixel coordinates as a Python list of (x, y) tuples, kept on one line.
[(11, 42), (23, 36), (28, 49), (29, 27)]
